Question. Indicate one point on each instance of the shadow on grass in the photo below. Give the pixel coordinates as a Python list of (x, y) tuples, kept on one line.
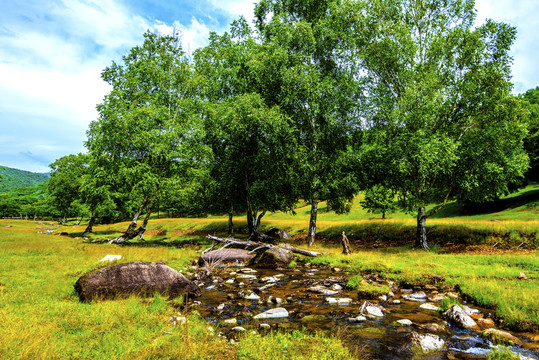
[(528, 198)]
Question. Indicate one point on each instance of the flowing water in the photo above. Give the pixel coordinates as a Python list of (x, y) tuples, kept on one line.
[(223, 297)]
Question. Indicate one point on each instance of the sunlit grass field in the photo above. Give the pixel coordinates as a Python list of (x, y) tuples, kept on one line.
[(42, 317)]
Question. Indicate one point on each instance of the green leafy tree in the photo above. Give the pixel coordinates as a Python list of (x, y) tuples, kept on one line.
[(440, 107), (531, 141), (148, 127), (318, 86), (255, 153), (65, 183), (379, 199)]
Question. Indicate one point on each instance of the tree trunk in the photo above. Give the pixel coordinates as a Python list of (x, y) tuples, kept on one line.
[(131, 231), (421, 234), (345, 245), (90, 227), (230, 223), (312, 222)]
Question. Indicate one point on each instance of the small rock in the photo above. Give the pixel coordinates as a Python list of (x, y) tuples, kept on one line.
[(501, 337), (220, 306), (252, 296), (358, 318), (238, 329), (322, 290), (374, 311), (230, 281), (486, 323), (396, 302), (211, 287), (452, 295), (383, 297), (336, 287), (232, 321), (264, 326), (247, 271), (418, 296), (339, 301), (111, 258), (522, 276), (272, 313), (427, 343), (247, 277), (435, 327), (336, 269), (405, 322), (429, 306), (436, 298)]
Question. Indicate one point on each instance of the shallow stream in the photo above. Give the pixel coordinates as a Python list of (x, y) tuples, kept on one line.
[(224, 299)]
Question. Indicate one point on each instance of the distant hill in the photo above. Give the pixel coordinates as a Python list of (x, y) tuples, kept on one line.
[(13, 179)]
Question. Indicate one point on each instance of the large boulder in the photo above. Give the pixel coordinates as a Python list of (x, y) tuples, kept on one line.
[(227, 257), (139, 278), (275, 257)]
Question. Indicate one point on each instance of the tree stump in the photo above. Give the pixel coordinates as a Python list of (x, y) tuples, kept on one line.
[(345, 244)]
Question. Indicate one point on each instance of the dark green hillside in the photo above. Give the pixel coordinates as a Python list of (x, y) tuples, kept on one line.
[(13, 179)]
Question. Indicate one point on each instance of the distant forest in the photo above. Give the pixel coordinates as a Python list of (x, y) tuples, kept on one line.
[(13, 179)]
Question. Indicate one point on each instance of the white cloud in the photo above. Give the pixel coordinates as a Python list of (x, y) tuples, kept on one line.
[(236, 7), (523, 15)]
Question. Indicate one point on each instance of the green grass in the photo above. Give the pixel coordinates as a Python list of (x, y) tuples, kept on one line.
[(42, 317), (490, 280)]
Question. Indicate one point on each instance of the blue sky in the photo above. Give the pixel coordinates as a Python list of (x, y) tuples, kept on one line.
[(52, 53)]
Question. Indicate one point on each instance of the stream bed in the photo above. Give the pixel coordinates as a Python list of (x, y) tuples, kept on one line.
[(313, 300)]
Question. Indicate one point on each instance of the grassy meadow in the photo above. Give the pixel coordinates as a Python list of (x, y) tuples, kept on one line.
[(42, 317)]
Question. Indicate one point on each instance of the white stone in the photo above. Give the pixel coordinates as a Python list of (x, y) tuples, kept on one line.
[(220, 307), (211, 287), (111, 258), (232, 321), (230, 281), (322, 290), (383, 297), (272, 314), (358, 318), (468, 310), (339, 301), (405, 322), (429, 306), (456, 314), (247, 277), (247, 271), (264, 326), (252, 296), (428, 342), (336, 287), (269, 279), (396, 302), (374, 311), (238, 328)]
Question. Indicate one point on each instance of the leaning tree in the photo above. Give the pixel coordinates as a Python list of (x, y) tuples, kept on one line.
[(440, 108), (147, 126)]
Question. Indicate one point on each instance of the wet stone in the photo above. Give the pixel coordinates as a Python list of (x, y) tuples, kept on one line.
[(429, 306), (272, 314)]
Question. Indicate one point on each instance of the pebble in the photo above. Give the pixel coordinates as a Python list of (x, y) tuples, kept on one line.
[(238, 329), (252, 296), (405, 322), (232, 321), (272, 313), (429, 306), (358, 318), (339, 301)]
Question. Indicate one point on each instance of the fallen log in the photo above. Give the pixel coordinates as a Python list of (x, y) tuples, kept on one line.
[(257, 245)]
